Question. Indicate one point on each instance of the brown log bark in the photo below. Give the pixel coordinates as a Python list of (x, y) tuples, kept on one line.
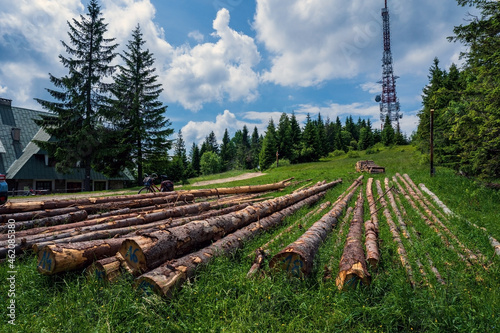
[(35, 215), (434, 270), (415, 188), (403, 256), (108, 269), (53, 259), (372, 228), (172, 274), (494, 243), (151, 250), (261, 253), (327, 275), (62, 231), (295, 224), (427, 221), (352, 266), (123, 232), (72, 217), (14, 207), (297, 258), (470, 255)]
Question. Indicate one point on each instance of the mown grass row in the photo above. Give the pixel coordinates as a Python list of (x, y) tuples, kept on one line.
[(222, 299)]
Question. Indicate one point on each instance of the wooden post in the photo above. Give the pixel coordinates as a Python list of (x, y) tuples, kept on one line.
[(432, 142), (277, 158)]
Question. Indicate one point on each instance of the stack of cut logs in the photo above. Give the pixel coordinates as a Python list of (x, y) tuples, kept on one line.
[(161, 238), (369, 166)]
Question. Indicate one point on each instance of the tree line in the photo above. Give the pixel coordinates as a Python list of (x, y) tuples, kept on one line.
[(466, 100), (109, 118), (104, 117), (287, 140)]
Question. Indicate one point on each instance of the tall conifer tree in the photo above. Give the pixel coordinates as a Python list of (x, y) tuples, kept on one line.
[(77, 122), (138, 114)]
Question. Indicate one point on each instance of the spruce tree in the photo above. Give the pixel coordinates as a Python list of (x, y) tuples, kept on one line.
[(138, 114), (269, 147), (255, 145), (77, 121), (388, 134), (226, 152), (284, 137), (296, 138), (194, 156)]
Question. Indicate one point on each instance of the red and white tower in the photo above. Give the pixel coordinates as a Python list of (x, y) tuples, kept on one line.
[(389, 103)]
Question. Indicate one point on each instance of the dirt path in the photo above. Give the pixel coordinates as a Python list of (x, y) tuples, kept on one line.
[(230, 179), (107, 193)]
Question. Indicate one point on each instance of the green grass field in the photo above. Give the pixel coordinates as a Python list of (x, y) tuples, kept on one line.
[(221, 299)]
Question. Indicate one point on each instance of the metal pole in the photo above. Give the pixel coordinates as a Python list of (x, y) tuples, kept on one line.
[(432, 142)]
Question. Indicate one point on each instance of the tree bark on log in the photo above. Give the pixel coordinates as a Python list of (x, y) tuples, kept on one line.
[(117, 222), (327, 275), (494, 243), (395, 236), (151, 250), (53, 259), (415, 188), (297, 258), (434, 270), (470, 255), (100, 202), (35, 215), (428, 222), (77, 236), (372, 228), (261, 253), (352, 266), (172, 274), (72, 217)]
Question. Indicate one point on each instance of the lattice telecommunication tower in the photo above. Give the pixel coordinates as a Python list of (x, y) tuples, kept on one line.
[(389, 103)]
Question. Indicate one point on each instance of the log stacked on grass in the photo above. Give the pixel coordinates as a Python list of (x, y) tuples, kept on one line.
[(352, 266), (100, 239), (172, 274), (53, 259), (473, 258), (369, 166), (297, 258), (403, 256), (494, 243), (261, 253), (372, 228), (150, 250)]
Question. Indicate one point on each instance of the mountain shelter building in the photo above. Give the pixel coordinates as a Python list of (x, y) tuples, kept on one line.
[(27, 166)]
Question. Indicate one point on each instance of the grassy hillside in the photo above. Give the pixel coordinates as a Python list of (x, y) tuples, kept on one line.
[(222, 299)]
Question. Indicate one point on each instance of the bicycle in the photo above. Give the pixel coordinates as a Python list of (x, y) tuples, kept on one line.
[(150, 187)]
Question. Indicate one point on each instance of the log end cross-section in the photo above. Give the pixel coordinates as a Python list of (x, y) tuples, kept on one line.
[(291, 262), (132, 250)]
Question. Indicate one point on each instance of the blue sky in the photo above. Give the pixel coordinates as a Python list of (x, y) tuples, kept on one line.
[(228, 63)]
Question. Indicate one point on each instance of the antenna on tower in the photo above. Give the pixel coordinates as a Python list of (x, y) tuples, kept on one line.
[(389, 103)]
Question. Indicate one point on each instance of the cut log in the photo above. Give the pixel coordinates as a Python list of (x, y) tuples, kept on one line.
[(427, 221), (494, 243), (403, 256), (72, 217), (152, 249), (75, 237), (107, 269), (434, 197), (369, 166), (261, 253), (328, 274), (295, 224), (53, 259), (35, 215), (297, 258), (172, 274), (352, 267), (372, 228), (99, 203), (470, 255)]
